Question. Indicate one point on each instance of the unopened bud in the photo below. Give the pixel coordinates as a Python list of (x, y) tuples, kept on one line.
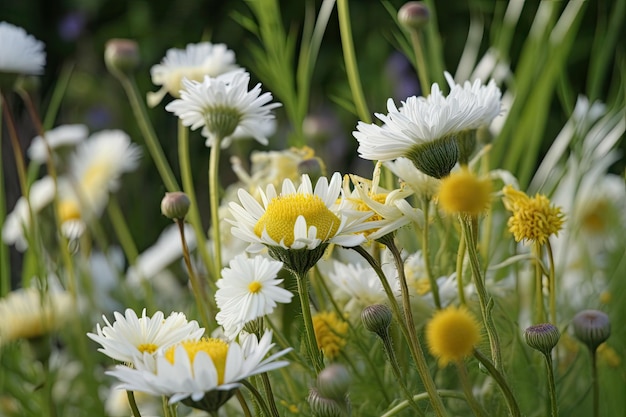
[(377, 318), (413, 15), (175, 205), (121, 56), (333, 382), (592, 327), (542, 337)]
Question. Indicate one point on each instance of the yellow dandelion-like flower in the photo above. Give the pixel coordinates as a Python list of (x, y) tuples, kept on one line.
[(464, 193), (533, 219), (330, 331), (452, 334)]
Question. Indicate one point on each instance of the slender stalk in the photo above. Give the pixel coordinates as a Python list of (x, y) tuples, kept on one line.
[(121, 230), (551, 284), (259, 398), (150, 137), (243, 403), (423, 396), (502, 383), (551, 385), (595, 383), (188, 186), (133, 404), (467, 389), (5, 262), (460, 255), (426, 254), (350, 61), (311, 341), (269, 395), (214, 201), (422, 68), (17, 150), (538, 284), (486, 303), (196, 286)]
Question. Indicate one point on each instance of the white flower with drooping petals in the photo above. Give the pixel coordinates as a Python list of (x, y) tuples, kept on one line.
[(224, 107), (248, 290), (64, 135), (131, 339), (20, 53), (194, 62), (191, 370), (301, 218)]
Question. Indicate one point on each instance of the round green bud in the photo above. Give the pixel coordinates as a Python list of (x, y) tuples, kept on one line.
[(175, 205), (377, 318), (333, 382), (542, 337), (413, 15), (121, 56), (592, 327)]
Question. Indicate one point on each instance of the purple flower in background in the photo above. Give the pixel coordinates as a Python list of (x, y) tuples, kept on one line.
[(72, 25)]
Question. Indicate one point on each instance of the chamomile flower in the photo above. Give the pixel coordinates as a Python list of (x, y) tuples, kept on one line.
[(202, 373), (194, 62), (59, 137), (224, 107), (248, 289), (20, 53), (464, 193), (452, 334), (130, 338)]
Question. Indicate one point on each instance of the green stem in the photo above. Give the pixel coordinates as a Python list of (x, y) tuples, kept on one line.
[(551, 283), (214, 200), (551, 385), (243, 403), (539, 308), (311, 341), (423, 396), (501, 381), (467, 389), (133, 404), (269, 395), (595, 383), (350, 61), (486, 303), (121, 230), (460, 255), (257, 395), (194, 214), (422, 69), (426, 254), (407, 328), (150, 137), (196, 286)]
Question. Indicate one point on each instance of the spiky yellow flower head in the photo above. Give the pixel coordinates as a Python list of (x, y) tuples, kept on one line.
[(534, 218), (464, 193), (330, 331), (452, 334)]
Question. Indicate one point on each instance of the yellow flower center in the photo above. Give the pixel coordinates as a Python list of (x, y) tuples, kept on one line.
[(96, 175), (173, 82), (281, 214), (330, 333), (216, 349), (254, 287), (533, 219), (68, 210), (464, 193), (594, 220), (452, 334), (422, 286), (147, 347)]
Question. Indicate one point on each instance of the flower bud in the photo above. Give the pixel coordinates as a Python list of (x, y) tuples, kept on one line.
[(175, 205), (592, 327), (333, 382), (542, 337), (413, 15), (326, 407), (377, 318), (121, 56)]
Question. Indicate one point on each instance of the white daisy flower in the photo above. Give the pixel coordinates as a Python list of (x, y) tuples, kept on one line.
[(483, 103), (225, 107), (248, 290), (20, 53), (19, 220), (196, 370), (25, 314), (300, 218), (134, 340), (61, 136), (194, 62), (422, 185)]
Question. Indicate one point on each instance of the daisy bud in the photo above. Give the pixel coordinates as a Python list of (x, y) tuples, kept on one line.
[(333, 382), (121, 56), (175, 205), (436, 158), (592, 327), (326, 407), (377, 318), (542, 337), (413, 15)]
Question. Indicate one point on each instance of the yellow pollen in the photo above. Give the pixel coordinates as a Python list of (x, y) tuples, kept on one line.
[(280, 217), (216, 349), (330, 331), (147, 347), (464, 193), (68, 210), (254, 287)]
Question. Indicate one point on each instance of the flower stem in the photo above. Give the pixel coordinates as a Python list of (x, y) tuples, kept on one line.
[(595, 384), (121, 230), (467, 389), (422, 69), (538, 284), (460, 255), (257, 395), (551, 386), (420, 397), (426, 254), (214, 201), (350, 61), (551, 284), (311, 342), (501, 381), (269, 395), (486, 303), (244, 405), (133, 404), (150, 137)]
